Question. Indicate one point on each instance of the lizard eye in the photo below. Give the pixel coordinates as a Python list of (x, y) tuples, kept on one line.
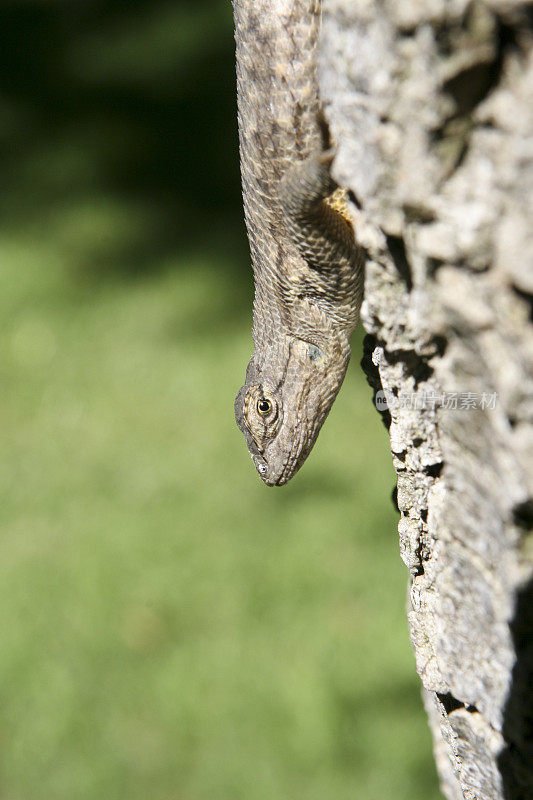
[(264, 406)]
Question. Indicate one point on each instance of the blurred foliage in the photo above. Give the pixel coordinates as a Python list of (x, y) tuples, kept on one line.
[(171, 628)]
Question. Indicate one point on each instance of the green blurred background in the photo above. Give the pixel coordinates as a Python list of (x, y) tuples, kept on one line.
[(171, 628)]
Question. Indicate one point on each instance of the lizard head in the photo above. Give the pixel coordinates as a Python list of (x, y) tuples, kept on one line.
[(281, 415)]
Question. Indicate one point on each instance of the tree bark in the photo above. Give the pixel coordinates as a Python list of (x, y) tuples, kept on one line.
[(430, 103)]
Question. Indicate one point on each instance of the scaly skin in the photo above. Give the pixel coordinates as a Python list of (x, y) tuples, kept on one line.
[(307, 268)]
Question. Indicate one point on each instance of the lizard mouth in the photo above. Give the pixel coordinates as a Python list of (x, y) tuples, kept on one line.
[(269, 478), (279, 477), (281, 481)]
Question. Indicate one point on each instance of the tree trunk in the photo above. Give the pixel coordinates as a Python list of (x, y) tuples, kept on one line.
[(430, 103)]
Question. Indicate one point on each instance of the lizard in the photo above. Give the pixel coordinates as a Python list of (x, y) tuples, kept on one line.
[(308, 268)]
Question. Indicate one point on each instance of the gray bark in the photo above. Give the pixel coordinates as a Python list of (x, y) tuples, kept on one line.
[(430, 103)]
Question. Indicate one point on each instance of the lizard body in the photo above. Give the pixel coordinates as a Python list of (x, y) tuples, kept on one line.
[(308, 270)]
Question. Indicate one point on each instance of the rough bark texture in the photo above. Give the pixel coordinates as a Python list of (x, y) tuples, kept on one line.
[(431, 105)]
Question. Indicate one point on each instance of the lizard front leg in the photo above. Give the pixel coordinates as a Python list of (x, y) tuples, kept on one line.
[(330, 276)]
